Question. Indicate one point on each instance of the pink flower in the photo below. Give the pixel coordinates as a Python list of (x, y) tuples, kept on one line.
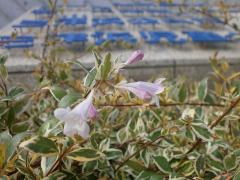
[(92, 112), (135, 57), (143, 90), (76, 119)]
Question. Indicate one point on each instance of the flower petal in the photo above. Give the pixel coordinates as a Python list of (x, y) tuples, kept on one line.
[(135, 57), (70, 128), (142, 94), (80, 128), (92, 112), (82, 109), (62, 113), (143, 90), (84, 130)]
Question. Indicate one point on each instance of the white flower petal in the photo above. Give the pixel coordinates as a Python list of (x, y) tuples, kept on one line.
[(82, 109), (70, 128), (84, 130), (62, 113)]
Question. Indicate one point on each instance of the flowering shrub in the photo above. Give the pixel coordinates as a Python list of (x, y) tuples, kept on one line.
[(104, 127)]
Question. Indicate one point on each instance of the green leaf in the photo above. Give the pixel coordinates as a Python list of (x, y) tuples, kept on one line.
[(182, 94), (135, 165), (105, 67), (89, 166), (3, 110), (200, 165), (230, 161), (149, 175), (69, 99), (202, 131), (21, 167), (202, 89), (90, 78), (11, 117), (15, 92), (215, 165), (50, 128), (40, 145), (154, 135), (84, 155), (122, 135), (3, 72), (162, 163), (81, 65), (97, 59), (47, 162), (113, 153), (145, 157), (8, 145), (186, 169), (3, 59), (57, 92), (104, 145)]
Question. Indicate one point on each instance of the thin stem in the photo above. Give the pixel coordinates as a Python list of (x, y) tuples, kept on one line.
[(45, 46), (161, 105), (54, 166), (231, 107)]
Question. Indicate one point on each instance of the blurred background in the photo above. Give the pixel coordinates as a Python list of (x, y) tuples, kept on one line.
[(178, 36)]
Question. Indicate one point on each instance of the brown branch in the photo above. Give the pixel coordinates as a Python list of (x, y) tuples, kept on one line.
[(161, 105), (45, 45), (54, 166), (232, 106)]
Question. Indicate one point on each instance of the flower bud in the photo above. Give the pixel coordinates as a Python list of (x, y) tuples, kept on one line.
[(135, 57)]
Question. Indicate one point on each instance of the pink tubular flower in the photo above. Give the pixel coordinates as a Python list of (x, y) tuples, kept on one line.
[(135, 57), (76, 119), (143, 90)]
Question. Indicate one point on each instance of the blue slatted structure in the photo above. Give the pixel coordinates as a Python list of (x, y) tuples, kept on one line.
[(143, 21), (206, 37), (31, 24), (74, 20), (107, 21), (155, 37), (101, 37), (19, 42), (102, 9), (154, 21), (169, 20), (73, 37), (41, 11)]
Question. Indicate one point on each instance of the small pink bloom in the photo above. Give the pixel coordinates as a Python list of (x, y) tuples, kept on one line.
[(92, 112), (143, 90), (76, 119), (135, 57)]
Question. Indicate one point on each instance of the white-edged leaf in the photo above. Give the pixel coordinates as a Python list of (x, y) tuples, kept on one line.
[(202, 131), (57, 92), (202, 89), (230, 161), (40, 145), (162, 163), (84, 155)]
